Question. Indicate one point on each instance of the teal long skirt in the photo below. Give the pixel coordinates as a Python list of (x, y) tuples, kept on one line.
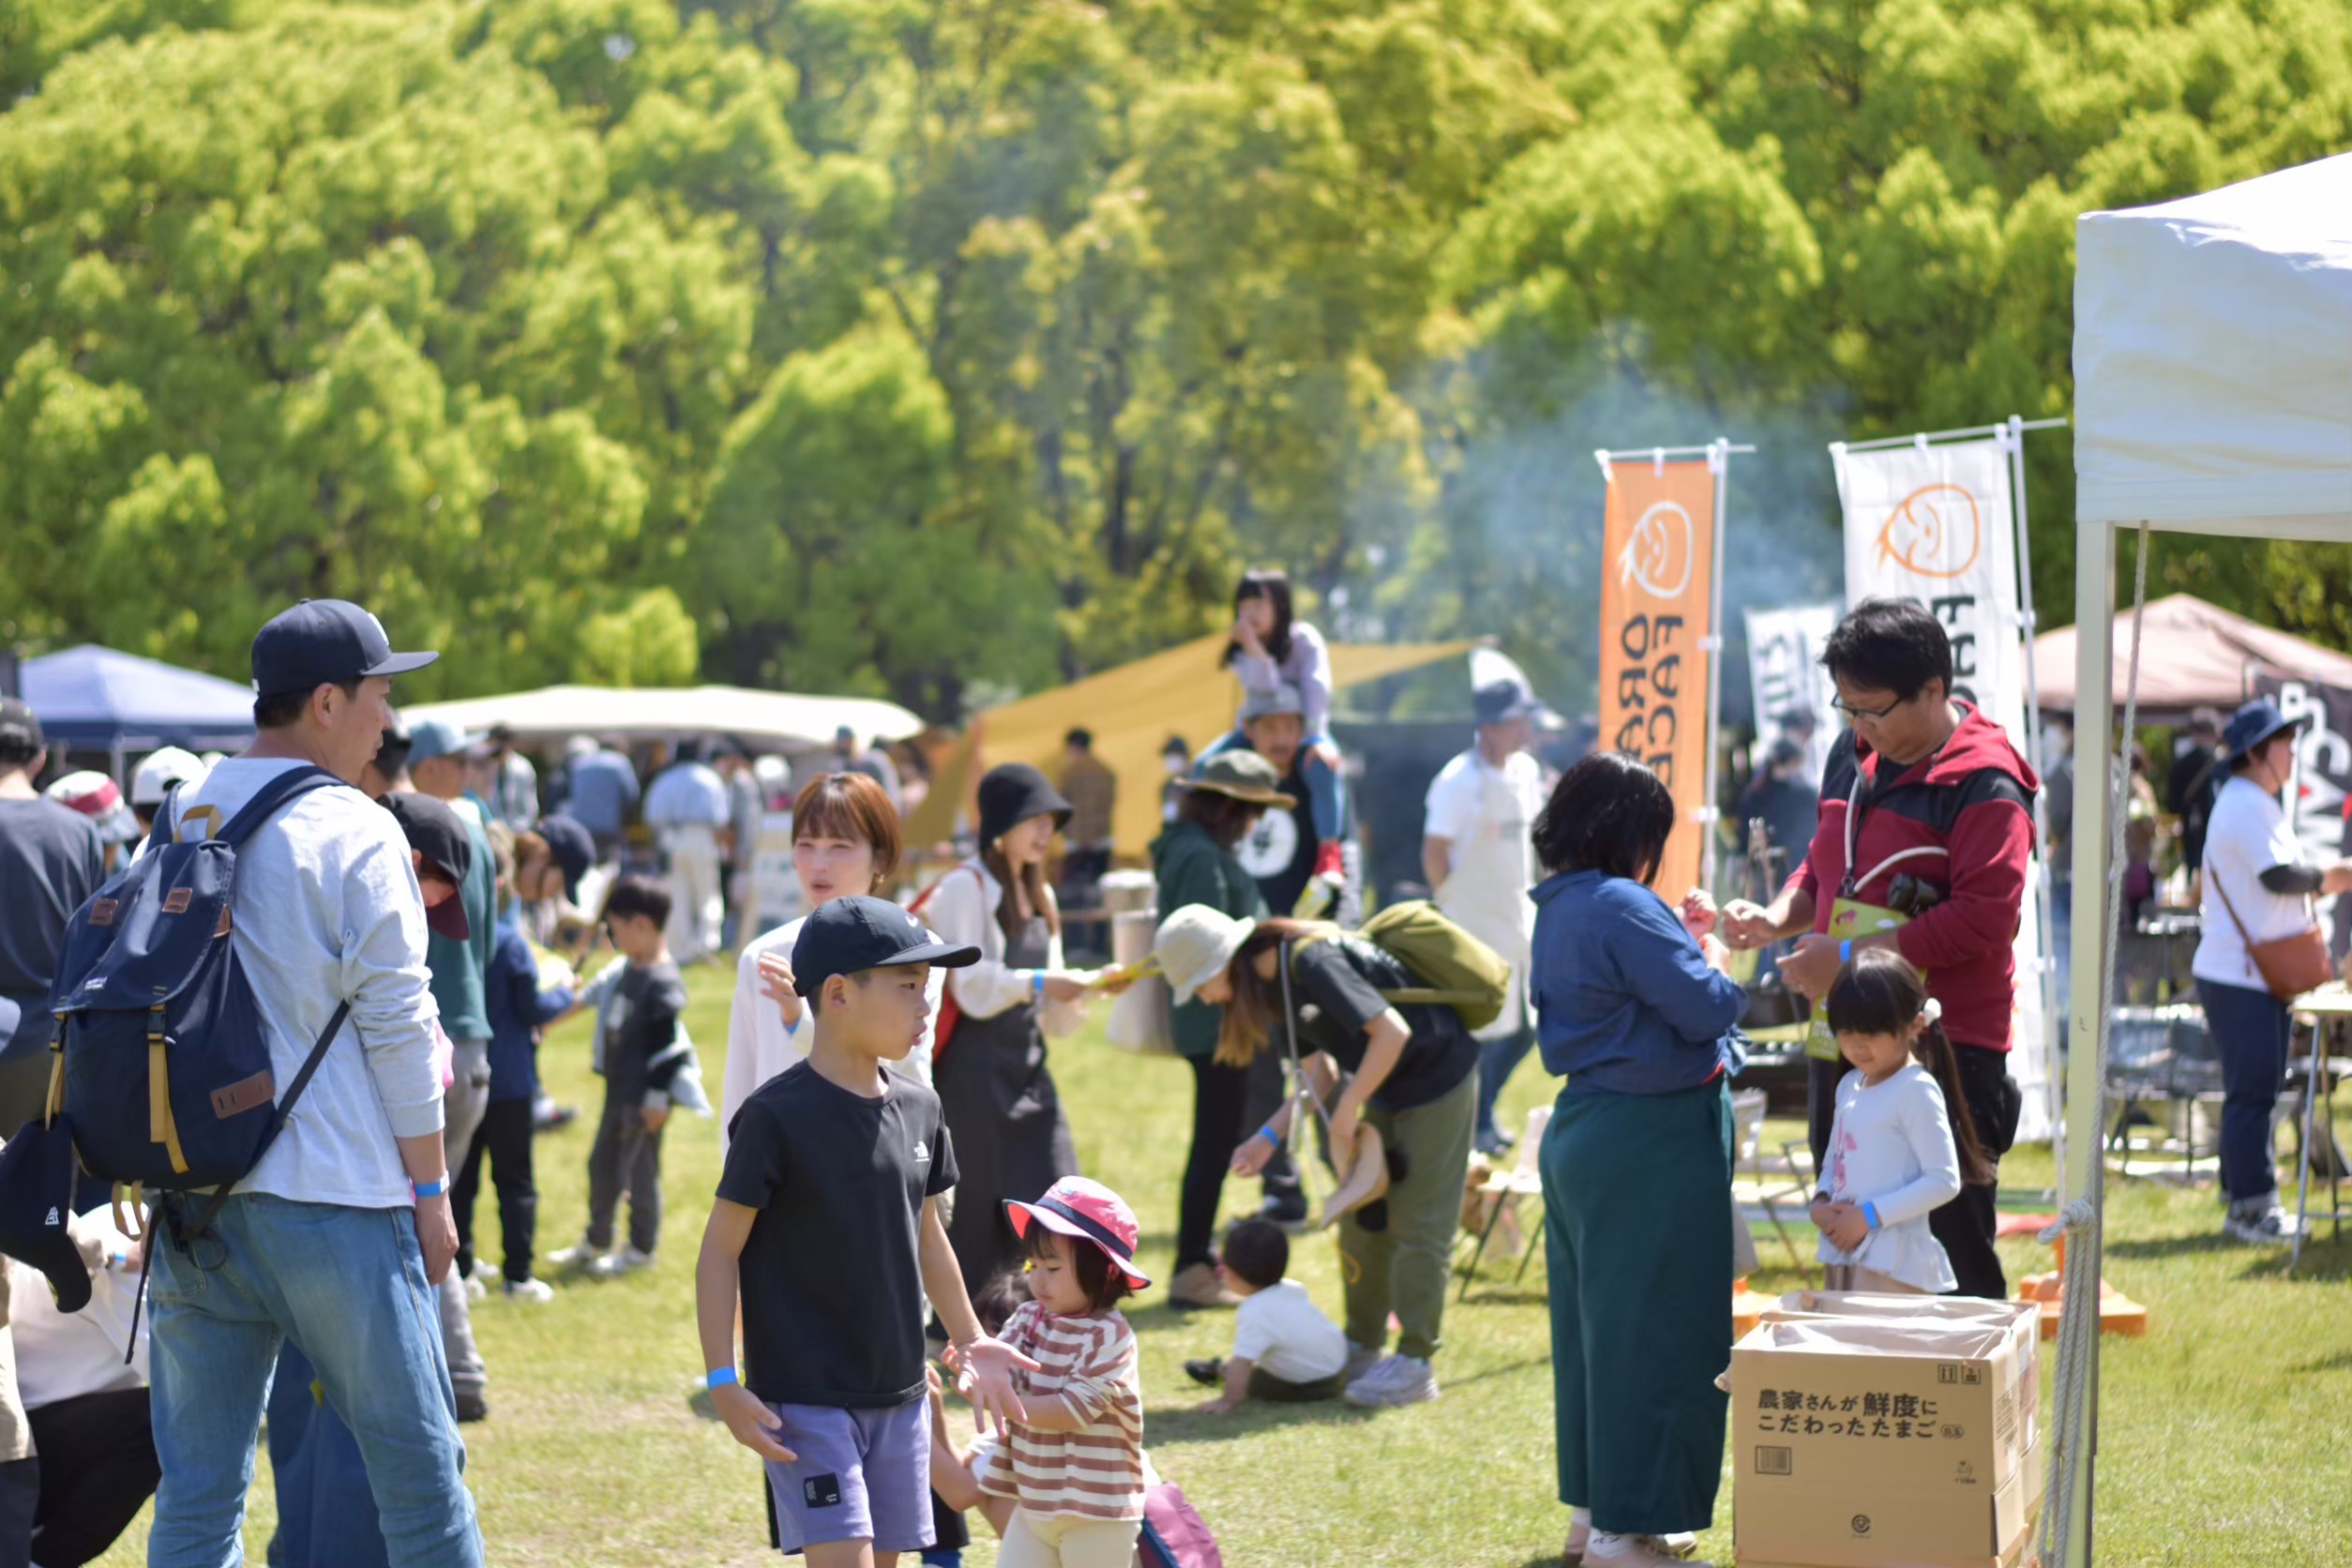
[(1637, 1228)]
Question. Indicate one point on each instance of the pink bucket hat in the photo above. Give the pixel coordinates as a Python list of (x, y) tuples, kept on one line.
[(1088, 1211)]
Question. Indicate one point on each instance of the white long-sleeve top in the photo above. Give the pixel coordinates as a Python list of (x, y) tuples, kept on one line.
[(964, 910), (759, 1046), (1307, 666), (327, 908), (1892, 1147)]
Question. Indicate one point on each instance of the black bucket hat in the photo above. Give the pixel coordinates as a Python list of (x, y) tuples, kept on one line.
[(1010, 793)]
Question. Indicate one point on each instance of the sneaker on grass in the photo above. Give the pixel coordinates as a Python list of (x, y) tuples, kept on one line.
[(1681, 1543), (1397, 1380), (2260, 1222), (538, 1292), (580, 1255), (627, 1260), (1361, 1359), (1606, 1550)]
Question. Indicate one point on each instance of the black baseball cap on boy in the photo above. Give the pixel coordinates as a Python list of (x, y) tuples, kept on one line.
[(324, 641), (848, 936), (19, 724), (434, 831)]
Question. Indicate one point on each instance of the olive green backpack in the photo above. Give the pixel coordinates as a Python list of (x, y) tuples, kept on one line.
[(1461, 971)]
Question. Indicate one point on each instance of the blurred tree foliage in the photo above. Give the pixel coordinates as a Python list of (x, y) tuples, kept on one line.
[(937, 348)]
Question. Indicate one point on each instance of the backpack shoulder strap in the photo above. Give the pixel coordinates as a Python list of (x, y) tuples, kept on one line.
[(272, 798)]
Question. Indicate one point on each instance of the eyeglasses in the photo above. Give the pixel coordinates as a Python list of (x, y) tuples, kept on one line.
[(1852, 711)]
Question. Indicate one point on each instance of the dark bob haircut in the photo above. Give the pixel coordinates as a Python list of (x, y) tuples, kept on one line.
[(1894, 645), (1103, 1285), (1607, 814)]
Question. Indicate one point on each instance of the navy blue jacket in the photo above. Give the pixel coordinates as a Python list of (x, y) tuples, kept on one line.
[(518, 1010), (1624, 1001)]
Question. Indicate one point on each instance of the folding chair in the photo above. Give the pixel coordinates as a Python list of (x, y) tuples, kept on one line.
[(1747, 1122), (1503, 1190)]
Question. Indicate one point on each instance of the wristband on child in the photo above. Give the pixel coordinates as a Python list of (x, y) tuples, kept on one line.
[(1268, 1133), (1870, 1213), (1846, 951), (1036, 985), (718, 1376), (430, 1189)]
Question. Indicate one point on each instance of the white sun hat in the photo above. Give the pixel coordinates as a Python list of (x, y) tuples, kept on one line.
[(1195, 943)]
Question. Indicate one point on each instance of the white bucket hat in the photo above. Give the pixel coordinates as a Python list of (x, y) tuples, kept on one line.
[(1196, 942)]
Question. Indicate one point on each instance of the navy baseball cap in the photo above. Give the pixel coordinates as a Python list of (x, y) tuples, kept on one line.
[(848, 936), (323, 641)]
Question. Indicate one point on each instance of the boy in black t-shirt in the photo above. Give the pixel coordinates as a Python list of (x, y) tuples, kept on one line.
[(827, 1221)]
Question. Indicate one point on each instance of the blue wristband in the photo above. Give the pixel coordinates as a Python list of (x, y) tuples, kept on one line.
[(1846, 951), (1038, 985), (718, 1376), (1267, 1133), (430, 1189), (1870, 1213)]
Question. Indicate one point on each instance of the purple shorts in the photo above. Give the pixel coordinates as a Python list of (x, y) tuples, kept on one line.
[(862, 1475)]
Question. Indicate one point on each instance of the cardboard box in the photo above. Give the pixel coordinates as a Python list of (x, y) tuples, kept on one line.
[(1886, 1432)]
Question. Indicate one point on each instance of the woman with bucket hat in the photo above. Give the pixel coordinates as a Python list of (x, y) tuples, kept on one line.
[(2258, 925), (988, 1063), (1286, 984), (1194, 864)]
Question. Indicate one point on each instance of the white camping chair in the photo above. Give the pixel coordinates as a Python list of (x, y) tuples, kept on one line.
[(1501, 1193), (1747, 1122)]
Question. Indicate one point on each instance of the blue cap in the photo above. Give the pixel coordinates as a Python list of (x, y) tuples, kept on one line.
[(324, 641), (848, 936), (433, 737), (2253, 724)]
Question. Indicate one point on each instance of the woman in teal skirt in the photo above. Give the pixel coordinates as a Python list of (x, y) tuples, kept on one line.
[(1636, 1013)]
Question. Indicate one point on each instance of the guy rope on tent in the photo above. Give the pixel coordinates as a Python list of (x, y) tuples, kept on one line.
[(2075, 1418)]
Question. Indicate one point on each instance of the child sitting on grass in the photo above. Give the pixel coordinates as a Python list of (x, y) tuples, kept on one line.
[(1284, 1351), (827, 1223), (1073, 1462)]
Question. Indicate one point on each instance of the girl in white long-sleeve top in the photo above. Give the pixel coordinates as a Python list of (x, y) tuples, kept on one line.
[(1902, 1142)]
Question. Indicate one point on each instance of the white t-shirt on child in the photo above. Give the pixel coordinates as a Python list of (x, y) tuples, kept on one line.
[(1281, 1331)]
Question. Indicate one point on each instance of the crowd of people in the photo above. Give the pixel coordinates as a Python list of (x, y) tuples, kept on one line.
[(900, 1182)]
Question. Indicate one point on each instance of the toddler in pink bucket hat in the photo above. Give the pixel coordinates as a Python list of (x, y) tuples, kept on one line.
[(1085, 1211)]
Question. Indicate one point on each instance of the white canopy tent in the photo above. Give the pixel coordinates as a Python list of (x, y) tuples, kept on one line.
[(783, 721), (2212, 396)]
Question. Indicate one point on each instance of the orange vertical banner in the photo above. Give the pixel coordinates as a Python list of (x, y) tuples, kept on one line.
[(1657, 601)]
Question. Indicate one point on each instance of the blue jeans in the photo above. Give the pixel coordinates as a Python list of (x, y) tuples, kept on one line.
[(2250, 1030), (349, 1284), (1326, 797), (1497, 1059)]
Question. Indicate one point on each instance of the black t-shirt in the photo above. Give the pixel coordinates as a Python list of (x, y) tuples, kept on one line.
[(831, 1278), (1337, 984), (51, 862), (642, 1047), (1280, 850)]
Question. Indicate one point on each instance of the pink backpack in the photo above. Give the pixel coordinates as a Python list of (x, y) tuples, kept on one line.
[(1173, 1534)]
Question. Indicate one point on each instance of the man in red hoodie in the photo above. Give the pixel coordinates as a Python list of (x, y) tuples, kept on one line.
[(1933, 791)]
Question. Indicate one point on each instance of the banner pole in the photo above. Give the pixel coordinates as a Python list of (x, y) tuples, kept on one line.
[(1719, 464), (2047, 910)]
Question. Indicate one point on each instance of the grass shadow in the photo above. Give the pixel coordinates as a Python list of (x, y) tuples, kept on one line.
[(2334, 1360), (1187, 1424)]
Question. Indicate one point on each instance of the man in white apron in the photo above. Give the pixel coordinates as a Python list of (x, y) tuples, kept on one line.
[(1477, 851)]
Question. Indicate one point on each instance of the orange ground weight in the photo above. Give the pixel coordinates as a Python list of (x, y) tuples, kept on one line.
[(2118, 1313)]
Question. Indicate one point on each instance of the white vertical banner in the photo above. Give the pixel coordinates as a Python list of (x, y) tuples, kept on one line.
[(1785, 673), (1937, 524)]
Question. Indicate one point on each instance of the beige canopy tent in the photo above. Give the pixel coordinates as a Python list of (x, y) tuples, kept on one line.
[(1132, 711), (2193, 654), (778, 720)]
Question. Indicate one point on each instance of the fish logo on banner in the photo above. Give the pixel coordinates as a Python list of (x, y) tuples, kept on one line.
[(1937, 523), (1656, 612)]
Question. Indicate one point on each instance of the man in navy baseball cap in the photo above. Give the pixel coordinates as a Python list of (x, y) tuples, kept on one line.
[(324, 643), (848, 936)]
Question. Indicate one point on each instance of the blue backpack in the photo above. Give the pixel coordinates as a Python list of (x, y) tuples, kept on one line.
[(164, 1074)]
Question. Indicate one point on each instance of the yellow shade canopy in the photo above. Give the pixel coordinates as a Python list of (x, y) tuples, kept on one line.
[(1132, 710)]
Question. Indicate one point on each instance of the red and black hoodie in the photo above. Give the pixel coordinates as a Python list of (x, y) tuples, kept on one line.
[(1970, 808)]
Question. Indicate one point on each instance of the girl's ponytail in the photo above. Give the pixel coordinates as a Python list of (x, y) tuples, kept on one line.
[(1933, 1051)]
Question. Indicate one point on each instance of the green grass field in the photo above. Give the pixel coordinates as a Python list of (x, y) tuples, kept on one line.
[(2221, 1433)]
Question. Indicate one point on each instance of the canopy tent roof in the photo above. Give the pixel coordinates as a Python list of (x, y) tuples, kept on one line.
[(96, 699), (786, 721), (1132, 711), (2191, 655), (2209, 358)]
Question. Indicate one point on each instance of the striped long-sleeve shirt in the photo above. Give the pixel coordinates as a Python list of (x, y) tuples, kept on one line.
[(1096, 1471)]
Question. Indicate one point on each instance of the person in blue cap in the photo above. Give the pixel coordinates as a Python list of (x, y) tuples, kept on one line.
[(2256, 889)]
